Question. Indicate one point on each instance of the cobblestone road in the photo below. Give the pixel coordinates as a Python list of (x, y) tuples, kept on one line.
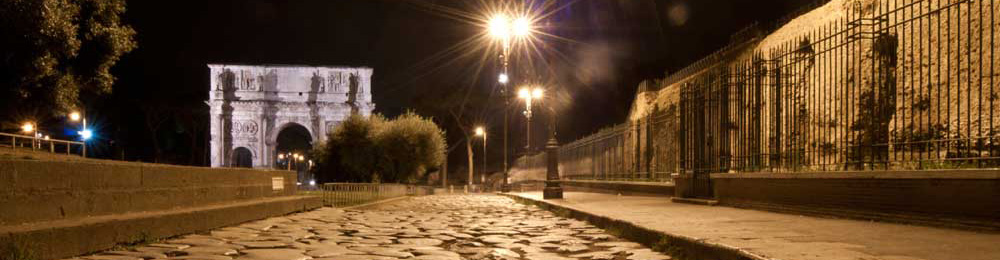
[(429, 227)]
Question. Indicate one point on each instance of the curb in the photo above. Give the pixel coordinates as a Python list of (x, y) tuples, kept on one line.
[(675, 245)]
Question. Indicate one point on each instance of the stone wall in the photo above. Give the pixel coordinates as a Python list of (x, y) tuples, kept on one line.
[(60, 209), (35, 191), (953, 198)]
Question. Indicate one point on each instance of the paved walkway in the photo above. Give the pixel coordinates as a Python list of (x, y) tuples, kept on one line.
[(786, 236), (443, 227)]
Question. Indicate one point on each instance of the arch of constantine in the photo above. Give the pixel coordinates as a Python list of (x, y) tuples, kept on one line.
[(251, 104)]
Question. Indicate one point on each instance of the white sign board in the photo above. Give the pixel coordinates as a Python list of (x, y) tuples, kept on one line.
[(277, 183)]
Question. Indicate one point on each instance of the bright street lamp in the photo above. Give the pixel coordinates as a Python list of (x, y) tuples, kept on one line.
[(85, 134), (74, 116), (501, 27), (529, 94), (521, 27), (28, 127), (480, 131)]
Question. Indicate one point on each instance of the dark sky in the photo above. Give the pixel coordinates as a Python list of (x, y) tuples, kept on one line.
[(608, 46)]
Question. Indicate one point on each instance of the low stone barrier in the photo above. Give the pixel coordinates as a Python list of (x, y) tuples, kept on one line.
[(953, 198), (59, 209)]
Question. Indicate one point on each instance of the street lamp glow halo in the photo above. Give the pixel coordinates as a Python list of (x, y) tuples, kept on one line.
[(530, 93), (503, 78), (75, 116), (499, 26), (28, 127), (480, 131), (521, 27), (537, 93), (524, 93), (86, 134)]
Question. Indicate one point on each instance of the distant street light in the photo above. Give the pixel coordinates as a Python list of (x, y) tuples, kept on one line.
[(85, 134), (480, 131), (28, 128), (528, 95), (502, 28)]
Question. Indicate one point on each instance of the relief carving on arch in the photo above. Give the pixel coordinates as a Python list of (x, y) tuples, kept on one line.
[(245, 128)]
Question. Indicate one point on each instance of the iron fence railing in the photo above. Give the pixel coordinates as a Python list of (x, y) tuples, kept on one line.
[(892, 84), (350, 194), (17, 141)]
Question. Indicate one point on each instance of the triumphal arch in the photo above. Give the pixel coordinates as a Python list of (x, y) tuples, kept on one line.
[(251, 105)]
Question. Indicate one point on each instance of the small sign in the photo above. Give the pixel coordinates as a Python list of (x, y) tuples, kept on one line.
[(277, 183)]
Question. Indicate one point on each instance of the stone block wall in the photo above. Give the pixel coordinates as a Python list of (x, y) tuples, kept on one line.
[(35, 191), (943, 198)]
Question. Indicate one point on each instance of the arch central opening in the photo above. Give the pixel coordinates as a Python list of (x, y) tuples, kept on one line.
[(293, 144)]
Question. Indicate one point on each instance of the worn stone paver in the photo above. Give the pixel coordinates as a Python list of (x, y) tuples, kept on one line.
[(443, 227)]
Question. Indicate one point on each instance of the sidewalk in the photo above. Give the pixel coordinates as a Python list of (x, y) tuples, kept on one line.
[(784, 236)]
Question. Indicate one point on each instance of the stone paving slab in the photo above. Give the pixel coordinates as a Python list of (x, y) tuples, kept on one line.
[(784, 236), (440, 227)]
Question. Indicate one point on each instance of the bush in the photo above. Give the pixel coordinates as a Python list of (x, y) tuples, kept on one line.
[(409, 147), (349, 152), (375, 149)]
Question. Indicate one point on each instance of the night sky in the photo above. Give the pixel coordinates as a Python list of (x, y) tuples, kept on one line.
[(603, 50)]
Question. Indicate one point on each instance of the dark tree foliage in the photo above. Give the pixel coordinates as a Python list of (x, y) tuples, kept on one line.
[(57, 50), (375, 149), (410, 147), (349, 152)]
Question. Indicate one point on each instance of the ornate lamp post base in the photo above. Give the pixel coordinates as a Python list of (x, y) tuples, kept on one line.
[(552, 188)]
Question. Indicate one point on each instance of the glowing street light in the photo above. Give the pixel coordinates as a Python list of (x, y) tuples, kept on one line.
[(28, 128), (502, 28), (521, 27), (74, 116), (499, 26), (481, 131), (86, 134), (529, 94)]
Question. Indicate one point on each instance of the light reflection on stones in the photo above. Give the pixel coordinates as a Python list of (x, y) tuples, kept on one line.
[(444, 227)]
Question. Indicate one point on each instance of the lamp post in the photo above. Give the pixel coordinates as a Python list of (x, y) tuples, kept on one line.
[(502, 28), (29, 128), (552, 188), (529, 94), (84, 133), (480, 131)]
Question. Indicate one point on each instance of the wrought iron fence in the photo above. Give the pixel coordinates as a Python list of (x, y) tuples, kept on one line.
[(350, 194), (893, 84)]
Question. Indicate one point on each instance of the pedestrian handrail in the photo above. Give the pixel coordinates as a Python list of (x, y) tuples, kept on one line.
[(38, 143), (349, 194)]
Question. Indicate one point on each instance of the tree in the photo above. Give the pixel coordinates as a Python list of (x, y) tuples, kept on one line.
[(349, 154), (410, 146), (56, 50), (375, 149)]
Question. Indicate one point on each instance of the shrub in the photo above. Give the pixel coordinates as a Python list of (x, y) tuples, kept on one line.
[(375, 149)]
